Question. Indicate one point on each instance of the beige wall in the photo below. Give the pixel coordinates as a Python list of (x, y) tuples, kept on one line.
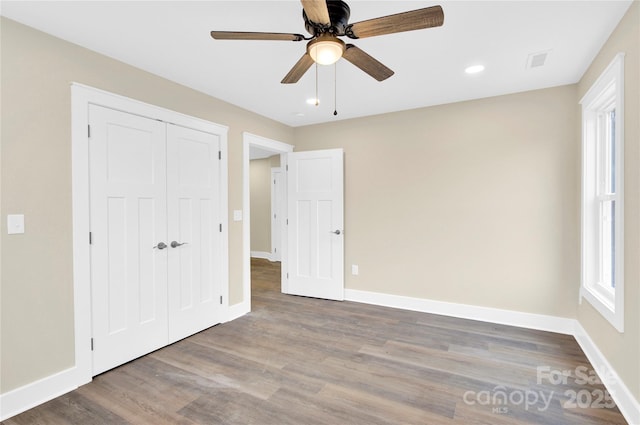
[(472, 203), (36, 268), (623, 349), (260, 187)]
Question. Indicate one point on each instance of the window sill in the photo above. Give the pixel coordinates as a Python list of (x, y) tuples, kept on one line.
[(604, 307)]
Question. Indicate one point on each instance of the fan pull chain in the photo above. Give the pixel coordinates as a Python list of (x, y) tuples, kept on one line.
[(335, 89), (317, 99)]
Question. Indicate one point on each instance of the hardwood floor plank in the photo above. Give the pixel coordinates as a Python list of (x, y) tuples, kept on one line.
[(228, 407), (225, 369), (71, 408), (389, 411), (166, 390), (467, 366), (402, 389)]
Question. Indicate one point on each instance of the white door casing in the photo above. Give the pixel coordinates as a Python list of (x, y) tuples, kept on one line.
[(82, 97), (194, 229), (128, 218), (250, 141), (316, 224)]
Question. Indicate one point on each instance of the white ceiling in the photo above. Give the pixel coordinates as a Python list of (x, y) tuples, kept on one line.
[(171, 39)]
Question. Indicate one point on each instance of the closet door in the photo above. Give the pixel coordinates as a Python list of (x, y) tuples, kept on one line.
[(195, 245), (128, 222)]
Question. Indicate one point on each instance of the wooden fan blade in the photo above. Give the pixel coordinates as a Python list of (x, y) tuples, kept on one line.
[(317, 11), (298, 69), (406, 21), (366, 63), (238, 35)]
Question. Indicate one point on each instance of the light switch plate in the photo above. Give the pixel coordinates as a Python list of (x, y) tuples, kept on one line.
[(15, 224), (237, 215)]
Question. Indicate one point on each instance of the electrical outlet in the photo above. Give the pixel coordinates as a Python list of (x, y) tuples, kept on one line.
[(354, 269)]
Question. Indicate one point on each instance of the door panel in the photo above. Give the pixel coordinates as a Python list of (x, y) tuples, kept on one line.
[(193, 195), (128, 218), (316, 221)]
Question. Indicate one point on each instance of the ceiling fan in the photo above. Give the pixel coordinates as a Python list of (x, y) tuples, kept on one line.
[(326, 20)]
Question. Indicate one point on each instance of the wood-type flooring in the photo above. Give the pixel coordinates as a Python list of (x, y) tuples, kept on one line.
[(296, 360)]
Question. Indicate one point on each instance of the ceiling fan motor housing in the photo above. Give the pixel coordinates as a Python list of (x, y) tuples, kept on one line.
[(339, 14)]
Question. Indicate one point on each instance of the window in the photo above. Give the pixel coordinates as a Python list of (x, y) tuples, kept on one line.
[(603, 194)]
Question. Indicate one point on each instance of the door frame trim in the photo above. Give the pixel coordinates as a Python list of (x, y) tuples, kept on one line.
[(249, 140), (81, 97)]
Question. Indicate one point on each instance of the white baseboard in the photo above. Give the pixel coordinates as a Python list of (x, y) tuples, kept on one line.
[(261, 254), (464, 311), (31, 395), (620, 393), (623, 397)]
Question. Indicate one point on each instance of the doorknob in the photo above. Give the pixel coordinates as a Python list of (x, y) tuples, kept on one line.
[(175, 244), (337, 232), (161, 245)]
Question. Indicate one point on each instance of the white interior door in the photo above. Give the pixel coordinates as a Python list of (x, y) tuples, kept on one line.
[(315, 210), (276, 213), (128, 219), (195, 241)]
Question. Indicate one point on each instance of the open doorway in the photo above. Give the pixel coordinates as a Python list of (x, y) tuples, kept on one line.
[(264, 189), (258, 147)]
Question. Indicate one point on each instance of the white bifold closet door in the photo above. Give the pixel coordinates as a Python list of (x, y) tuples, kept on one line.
[(155, 234)]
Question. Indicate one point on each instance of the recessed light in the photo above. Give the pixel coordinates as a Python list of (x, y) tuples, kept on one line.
[(474, 69), (298, 114), (313, 101)]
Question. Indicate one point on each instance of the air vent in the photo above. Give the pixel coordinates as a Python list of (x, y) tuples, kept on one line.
[(536, 60)]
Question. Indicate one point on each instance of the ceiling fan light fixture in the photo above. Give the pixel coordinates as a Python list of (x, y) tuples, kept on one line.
[(326, 49)]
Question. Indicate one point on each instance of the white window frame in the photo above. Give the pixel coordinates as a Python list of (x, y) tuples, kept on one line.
[(607, 93)]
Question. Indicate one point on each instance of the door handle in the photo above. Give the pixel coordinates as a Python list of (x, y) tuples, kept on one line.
[(336, 232), (175, 244), (161, 245)]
